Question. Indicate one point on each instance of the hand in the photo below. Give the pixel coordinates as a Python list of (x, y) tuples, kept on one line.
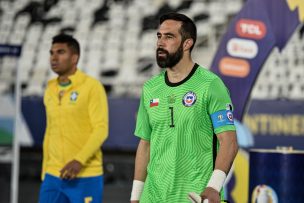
[(137, 201), (70, 170), (211, 194)]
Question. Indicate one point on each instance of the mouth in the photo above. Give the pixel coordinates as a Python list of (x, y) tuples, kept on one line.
[(162, 53), (54, 65)]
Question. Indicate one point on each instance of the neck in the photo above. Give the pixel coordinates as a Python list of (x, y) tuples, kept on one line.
[(64, 78), (180, 71)]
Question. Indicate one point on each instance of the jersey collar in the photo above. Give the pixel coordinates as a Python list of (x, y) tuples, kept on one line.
[(184, 80)]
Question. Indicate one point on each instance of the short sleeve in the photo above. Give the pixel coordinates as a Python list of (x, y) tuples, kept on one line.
[(143, 128), (220, 107)]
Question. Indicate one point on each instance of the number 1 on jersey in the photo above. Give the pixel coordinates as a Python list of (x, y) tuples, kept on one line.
[(172, 120)]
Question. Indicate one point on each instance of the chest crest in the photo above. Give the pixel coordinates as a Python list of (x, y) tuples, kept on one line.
[(189, 99)]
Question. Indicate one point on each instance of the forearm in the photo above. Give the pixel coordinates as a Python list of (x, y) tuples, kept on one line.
[(98, 115), (142, 160), (227, 152), (93, 144)]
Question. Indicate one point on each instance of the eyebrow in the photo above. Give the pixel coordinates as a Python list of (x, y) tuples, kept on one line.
[(57, 50), (166, 34)]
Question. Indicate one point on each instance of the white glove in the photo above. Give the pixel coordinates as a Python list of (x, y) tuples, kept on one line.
[(195, 198)]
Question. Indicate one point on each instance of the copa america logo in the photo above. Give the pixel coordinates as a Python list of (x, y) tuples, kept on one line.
[(264, 194), (189, 99)]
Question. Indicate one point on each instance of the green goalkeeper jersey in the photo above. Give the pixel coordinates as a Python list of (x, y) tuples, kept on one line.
[(180, 121)]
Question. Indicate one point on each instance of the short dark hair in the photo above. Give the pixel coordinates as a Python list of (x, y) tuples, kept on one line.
[(188, 28), (72, 43)]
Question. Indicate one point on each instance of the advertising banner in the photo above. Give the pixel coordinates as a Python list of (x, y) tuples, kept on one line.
[(252, 34)]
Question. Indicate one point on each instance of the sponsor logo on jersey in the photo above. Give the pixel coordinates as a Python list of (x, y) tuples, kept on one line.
[(229, 115), (189, 99), (171, 99), (154, 102), (74, 96)]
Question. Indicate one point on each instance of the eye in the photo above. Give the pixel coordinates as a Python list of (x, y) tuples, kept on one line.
[(169, 37)]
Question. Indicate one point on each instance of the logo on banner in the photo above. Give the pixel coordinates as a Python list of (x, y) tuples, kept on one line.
[(189, 99), (243, 48), (252, 29), (264, 193), (233, 67)]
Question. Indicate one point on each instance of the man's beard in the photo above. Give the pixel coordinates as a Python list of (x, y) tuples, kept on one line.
[(170, 60)]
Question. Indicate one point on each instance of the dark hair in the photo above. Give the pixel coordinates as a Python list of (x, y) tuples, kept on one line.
[(69, 40), (188, 28)]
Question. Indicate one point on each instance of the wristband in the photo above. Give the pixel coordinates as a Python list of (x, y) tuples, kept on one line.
[(137, 189), (217, 180)]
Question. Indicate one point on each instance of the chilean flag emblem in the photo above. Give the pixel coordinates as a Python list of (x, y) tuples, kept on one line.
[(154, 102)]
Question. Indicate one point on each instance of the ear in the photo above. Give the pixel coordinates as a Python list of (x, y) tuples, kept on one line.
[(75, 58), (188, 44)]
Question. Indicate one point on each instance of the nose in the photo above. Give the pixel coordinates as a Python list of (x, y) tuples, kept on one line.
[(53, 57), (160, 42)]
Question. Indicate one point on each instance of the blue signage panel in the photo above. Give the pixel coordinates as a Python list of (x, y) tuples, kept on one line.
[(122, 119), (276, 123), (10, 50), (276, 176)]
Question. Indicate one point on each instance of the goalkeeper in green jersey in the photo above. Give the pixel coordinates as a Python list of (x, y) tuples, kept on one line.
[(185, 123)]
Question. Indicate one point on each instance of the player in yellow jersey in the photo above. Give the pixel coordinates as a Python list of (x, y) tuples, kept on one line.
[(77, 125)]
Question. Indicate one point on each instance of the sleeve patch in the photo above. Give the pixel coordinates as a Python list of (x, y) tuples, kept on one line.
[(222, 118)]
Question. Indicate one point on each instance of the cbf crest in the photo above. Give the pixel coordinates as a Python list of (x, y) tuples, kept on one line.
[(189, 99), (74, 96)]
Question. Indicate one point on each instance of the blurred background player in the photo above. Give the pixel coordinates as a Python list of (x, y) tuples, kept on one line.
[(77, 125), (185, 122)]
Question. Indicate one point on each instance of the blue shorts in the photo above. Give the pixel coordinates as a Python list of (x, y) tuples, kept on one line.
[(79, 190)]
